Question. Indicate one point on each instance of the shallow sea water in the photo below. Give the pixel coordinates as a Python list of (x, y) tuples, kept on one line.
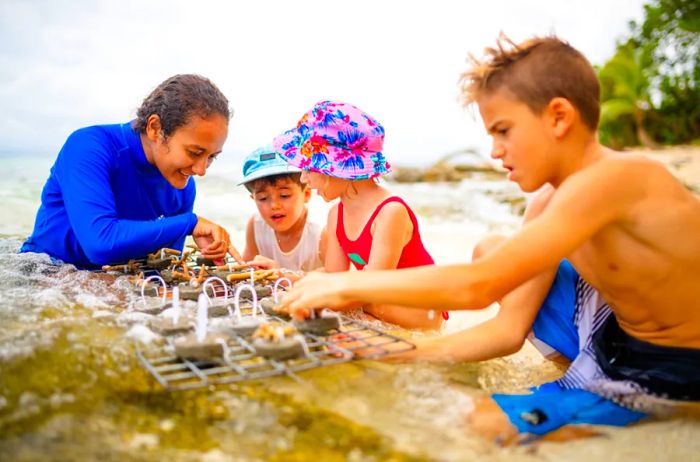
[(72, 389)]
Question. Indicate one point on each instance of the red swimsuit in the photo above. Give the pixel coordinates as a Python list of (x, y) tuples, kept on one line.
[(413, 253)]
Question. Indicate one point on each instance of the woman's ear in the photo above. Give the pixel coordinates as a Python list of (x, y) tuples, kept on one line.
[(153, 128), (561, 115)]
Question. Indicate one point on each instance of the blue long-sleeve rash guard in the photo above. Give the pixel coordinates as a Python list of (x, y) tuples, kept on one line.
[(104, 203)]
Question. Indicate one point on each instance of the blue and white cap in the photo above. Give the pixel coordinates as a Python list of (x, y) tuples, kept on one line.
[(265, 162)]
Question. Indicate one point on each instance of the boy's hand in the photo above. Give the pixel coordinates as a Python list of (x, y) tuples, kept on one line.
[(213, 240), (263, 262), (315, 290)]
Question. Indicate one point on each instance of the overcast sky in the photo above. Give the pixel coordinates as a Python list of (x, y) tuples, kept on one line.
[(66, 64)]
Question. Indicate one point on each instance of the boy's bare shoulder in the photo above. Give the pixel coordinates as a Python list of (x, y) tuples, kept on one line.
[(613, 186), (623, 172), (629, 164)]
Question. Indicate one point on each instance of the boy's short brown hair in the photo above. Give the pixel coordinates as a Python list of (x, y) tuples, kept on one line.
[(272, 180), (535, 72)]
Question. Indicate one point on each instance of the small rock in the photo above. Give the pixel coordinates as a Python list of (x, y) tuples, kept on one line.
[(190, 347), (290, 347)]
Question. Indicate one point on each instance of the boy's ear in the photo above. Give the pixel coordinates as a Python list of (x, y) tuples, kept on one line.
[(561, 115), (307, 194)]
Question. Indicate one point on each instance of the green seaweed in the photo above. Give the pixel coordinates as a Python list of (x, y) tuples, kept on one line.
[(117, 408)]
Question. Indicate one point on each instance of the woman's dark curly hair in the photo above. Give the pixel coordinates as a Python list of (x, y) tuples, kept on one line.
[(177, 99)]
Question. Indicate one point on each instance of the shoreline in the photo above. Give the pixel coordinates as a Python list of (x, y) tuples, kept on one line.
[(682, 160)]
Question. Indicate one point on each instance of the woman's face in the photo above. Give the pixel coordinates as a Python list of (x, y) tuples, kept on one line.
[(190, 150)]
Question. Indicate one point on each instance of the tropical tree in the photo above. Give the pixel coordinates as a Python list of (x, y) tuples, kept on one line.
[(625, 95), (650, 88), (671, 31)]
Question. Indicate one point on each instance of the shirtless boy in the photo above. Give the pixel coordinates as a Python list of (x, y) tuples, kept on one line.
[(627, 314)]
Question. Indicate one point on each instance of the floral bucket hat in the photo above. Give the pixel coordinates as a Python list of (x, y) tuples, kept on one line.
[(335, 139)]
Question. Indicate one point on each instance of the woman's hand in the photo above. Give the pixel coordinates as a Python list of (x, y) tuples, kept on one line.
[(213, 240)]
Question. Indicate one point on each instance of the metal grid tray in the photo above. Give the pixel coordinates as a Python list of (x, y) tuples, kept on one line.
[(354, 340)]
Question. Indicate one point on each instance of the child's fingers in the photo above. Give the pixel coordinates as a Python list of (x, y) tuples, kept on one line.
[(286, 301), (300, 313), (260, 263), (234, 253)]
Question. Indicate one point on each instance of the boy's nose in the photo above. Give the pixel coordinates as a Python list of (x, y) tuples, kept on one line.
[(497, 152)]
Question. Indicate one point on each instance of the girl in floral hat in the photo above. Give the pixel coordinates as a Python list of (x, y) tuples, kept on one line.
[(338, 147)]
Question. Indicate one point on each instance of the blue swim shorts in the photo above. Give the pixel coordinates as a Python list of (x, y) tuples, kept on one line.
[(550, 405)]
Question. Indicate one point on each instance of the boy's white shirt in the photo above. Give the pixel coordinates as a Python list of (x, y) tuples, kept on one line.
[(305, 256)]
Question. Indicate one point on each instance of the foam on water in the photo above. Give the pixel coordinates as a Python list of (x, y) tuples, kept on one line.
[(142, 334), (36, 297)]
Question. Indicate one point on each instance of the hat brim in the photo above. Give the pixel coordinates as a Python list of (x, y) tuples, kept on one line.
[(353, 167), (271, 171)]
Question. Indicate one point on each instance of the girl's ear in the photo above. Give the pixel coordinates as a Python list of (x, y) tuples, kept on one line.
[(561, 115), (153, 127)]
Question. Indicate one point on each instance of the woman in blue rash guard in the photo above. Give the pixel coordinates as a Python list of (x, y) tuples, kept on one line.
[(118, 192)]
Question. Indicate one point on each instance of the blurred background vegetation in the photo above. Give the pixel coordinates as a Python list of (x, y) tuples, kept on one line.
[(650, 88)]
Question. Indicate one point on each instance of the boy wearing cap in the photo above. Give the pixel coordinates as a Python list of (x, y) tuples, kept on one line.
[(625, 311), (280, 235)]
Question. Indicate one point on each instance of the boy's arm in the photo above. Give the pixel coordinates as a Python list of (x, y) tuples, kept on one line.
[(503, 334), (336, 260), (251, 248), (499, 336), (583, 204)]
